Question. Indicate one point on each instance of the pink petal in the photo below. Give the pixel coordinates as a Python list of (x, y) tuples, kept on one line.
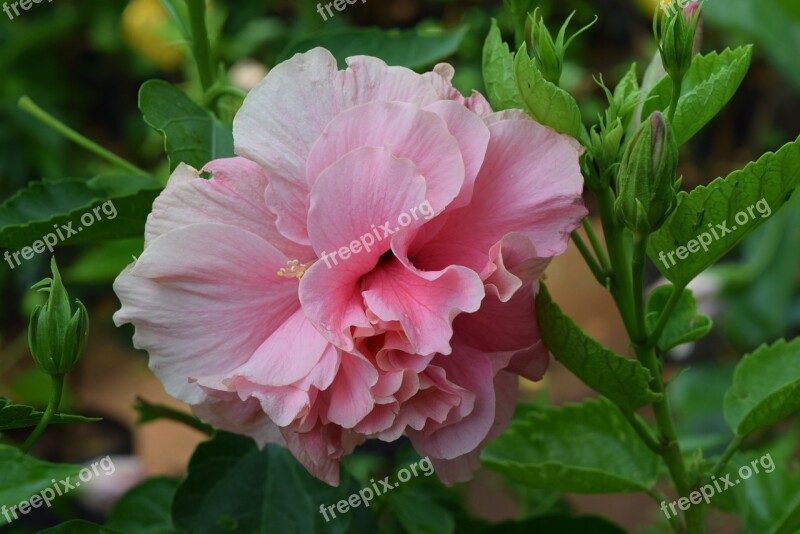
[(203, 314), (425, 303), (408, 132), (530, 183), (349, 398)]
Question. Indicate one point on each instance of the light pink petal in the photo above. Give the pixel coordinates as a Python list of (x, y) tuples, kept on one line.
[(356, 196), (201, 314), (425, 303), (288, 355), (352, 200), (311, 91), (226, 411), (530, 183), (408, 132), (472, 371), (442, 80), (473, 138), (349, 398), (234, 196)]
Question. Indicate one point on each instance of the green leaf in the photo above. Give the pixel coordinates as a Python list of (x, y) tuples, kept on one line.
[(79, 526), (23, 476), (191, 134), (418, 513), (578, 448), (117, 206), (708, 85), (145, 509), (766, 387), (695, 396), (405, 48), (752, 194), (20, 416), (684, 324), (234, 487), (498, 72), (769, 502), (624, 381), (547, 103)]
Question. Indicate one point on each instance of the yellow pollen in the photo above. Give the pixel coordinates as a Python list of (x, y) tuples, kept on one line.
[(295, 269)]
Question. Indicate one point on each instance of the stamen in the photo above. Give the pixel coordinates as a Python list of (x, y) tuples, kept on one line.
[(295, 269)]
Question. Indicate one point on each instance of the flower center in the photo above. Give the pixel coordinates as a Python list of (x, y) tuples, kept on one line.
[(295, 269)]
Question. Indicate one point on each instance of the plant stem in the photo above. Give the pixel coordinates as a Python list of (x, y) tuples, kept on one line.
[(620, 279), (677, 85), (644, 432), (646, 353), (150, 412), (726, 456), (596, 246), (597, 271), (201, 46), (52, 407), (30, 107)]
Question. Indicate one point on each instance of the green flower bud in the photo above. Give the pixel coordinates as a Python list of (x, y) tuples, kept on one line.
[(57, 336), (677, 41), (645, 183), (549, 52)]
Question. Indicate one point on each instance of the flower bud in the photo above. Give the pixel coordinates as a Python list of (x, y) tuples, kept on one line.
[(549, 52), (56, 335), (677, 43), (645, 183)]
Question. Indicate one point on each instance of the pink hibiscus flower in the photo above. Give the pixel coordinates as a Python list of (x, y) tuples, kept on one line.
[(263, 305)]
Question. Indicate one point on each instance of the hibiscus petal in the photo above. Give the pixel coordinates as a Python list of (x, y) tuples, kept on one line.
[(530, 183), (425, 303), (234, 196), (199, 312), (408, 132), (349, 398)]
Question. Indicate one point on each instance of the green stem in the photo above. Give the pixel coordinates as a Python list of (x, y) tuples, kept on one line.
[(677, 85), (646, 353), (596, 245), (151, 412), (620, 277), (30, 107), (644, 432), (201, 46), (52, 407), (597, 271), (726, 456), (218, 91)]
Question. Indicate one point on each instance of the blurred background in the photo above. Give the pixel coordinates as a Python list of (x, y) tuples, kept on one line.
[(84, 61)]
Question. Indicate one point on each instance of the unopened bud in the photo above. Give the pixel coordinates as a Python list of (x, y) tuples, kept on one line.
[(645, 183), (57, 335), (677, 42)]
